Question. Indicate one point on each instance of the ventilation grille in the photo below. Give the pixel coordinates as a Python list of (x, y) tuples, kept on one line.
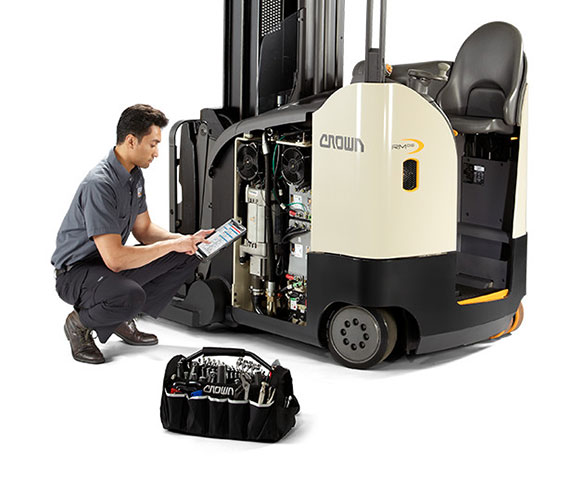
[(271, 16), (410, 178)]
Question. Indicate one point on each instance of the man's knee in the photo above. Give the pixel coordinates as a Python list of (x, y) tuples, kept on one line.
[(129, 299)]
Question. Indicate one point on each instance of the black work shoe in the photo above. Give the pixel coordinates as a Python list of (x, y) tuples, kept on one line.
[(129, 333), (83, 346)]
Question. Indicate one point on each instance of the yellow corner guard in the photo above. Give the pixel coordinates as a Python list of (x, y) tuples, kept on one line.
[(491, 297)]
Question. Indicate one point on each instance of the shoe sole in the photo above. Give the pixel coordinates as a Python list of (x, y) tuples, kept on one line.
[(130, 343), (77, 359)]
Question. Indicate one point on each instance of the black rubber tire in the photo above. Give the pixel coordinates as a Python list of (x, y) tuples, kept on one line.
[(367, 341)]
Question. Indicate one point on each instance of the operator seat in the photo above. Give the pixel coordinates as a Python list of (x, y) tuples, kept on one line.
[(485, 88)]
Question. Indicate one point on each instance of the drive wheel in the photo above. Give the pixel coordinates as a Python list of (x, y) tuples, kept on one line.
[(359, 337)]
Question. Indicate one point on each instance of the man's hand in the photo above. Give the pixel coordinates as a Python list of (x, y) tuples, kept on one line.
[(188, 244)]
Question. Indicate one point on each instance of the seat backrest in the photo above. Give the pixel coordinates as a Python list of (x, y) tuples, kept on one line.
[(487, 77)]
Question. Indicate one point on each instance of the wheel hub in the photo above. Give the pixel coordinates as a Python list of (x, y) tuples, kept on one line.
[(355, 334)]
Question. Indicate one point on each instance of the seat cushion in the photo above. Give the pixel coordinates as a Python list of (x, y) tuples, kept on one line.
[(471, 125)]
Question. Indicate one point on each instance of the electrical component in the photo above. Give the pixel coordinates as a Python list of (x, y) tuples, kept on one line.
[(298, 237), (299, 204), (248, 162), (255, 243), (296, 294), (295, 166)]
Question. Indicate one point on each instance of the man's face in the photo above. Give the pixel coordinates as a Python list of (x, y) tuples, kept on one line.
[(145, 151)]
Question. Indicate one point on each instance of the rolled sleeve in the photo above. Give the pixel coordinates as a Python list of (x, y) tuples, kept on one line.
[(100, 209)]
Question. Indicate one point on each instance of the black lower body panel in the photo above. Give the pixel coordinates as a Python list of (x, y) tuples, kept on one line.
[(423, 287)]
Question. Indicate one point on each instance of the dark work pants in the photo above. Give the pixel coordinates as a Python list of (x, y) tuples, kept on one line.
[(105, 299)]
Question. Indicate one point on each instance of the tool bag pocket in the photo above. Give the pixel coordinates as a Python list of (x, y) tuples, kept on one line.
[(262, 423), (238, 417), (186, 409), (198, 420), (174, 412), (218, 417)]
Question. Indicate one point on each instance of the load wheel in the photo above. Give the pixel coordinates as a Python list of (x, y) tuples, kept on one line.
[(517, 319), (515, 323), (361, 337)]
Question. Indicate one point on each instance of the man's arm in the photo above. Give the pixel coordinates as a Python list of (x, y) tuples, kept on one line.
[(147, 232), (118, 257)]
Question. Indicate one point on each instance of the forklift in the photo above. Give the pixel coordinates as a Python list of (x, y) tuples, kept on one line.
[(384, 217)]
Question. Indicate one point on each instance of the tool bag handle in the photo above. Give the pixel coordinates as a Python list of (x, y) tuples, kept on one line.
[(237, 352)]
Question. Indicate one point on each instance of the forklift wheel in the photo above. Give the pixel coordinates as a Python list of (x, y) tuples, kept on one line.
[(515, 323), (517, 319), (359, 337)]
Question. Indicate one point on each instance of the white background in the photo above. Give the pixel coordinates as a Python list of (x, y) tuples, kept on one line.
[(490, 416)]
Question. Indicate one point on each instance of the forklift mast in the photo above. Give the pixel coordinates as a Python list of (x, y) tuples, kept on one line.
[(279, 52)]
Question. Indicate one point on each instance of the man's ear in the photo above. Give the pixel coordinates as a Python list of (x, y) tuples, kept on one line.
[(131, 141)]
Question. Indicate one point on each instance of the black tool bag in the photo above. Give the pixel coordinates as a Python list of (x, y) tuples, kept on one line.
[(247, 401)]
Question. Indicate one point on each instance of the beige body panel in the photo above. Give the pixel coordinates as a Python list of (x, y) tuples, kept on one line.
[(519, 220), (360, 208)]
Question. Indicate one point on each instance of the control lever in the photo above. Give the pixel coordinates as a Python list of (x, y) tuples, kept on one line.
[(420, 80), (443, 69)]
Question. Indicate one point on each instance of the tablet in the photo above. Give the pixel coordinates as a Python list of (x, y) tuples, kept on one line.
[(224, 236)]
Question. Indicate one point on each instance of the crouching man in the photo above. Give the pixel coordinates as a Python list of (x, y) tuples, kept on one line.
[(107, 282)]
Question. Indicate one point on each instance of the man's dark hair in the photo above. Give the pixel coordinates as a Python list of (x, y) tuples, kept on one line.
[(137, 120)]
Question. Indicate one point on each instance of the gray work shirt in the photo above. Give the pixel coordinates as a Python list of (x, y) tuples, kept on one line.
[(106, 202)]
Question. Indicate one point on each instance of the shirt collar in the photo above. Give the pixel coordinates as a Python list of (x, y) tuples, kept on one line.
[(122, 174)]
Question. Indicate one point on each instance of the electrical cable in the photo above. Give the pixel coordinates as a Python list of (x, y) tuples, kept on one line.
[(291, 233)]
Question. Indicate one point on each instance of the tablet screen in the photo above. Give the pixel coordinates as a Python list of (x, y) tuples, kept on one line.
[(225, 235)]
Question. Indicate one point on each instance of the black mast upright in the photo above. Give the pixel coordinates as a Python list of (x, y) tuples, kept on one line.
[(375, 55), (280, 51)]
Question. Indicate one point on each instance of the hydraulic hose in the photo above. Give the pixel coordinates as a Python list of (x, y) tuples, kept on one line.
[(268, 213), (269, 227)]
